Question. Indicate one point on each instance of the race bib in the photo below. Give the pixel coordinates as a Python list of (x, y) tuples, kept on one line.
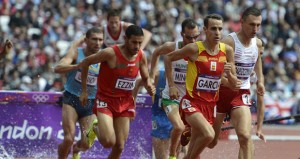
[(179, 77), (243, 70), (91, 79), (125, 84), (208, 83)]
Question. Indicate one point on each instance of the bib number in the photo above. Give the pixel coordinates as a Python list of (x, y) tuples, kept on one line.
[(125, 84), (186, 104), (91, 80), (246, 99), (208, 83), (101, 104), (179, 77), (243, 70)]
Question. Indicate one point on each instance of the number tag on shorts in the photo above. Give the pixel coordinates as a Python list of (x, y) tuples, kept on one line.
[(185, 104), (154, 125), (101, 104), (192, 109), (159, 103), (246, 99), (168, 109)]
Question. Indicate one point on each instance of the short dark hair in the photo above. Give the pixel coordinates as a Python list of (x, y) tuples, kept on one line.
[(134, 30), (113, 13), (250, 11), (212, 16), (188, 23), (93, 30)]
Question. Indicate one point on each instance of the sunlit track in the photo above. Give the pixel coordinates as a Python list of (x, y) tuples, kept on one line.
[(283, 141)]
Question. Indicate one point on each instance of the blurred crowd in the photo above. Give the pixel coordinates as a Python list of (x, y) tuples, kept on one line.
[(42, 30)]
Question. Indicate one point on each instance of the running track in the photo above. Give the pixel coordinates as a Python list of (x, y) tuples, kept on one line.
[(283, 143)]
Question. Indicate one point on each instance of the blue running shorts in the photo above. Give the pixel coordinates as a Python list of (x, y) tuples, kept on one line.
[(74, 101), (161, 126)]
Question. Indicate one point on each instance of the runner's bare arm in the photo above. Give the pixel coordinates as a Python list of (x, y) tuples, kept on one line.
[(190, 51), (260, 92), (231, 74), (161, 50), (67, 63), (105, 55), (148, 84), (137, 86)]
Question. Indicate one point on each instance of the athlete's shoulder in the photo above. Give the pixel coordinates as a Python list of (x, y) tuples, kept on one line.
[(198, 44), (109, 51), (125, 25), (165, 48), (228, 40), (168, 46), (260, 44), (228, 48)]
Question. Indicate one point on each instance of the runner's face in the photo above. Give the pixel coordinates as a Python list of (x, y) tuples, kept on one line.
[(134, 43), (114, 23), (214, 30), (251, 25), (190, 35), (94, 42)]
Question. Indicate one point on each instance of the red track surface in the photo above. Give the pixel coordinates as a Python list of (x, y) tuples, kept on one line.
[(273, 149)]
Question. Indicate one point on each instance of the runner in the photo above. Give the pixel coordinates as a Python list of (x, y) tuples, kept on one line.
[(206, 62), (72, 110), (237, 103), (114, 104), (190, 33), (114, 30)]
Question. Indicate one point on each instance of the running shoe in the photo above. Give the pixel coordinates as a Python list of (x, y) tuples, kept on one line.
[(185, 136), (91, 135), (76, 156)]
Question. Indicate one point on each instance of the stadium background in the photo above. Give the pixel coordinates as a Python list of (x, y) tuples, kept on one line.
[(42, 30)]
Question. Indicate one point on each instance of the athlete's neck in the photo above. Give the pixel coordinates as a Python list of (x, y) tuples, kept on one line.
[(126, 52), (114, 33), (88, 52), (211, 48), (243, 38)]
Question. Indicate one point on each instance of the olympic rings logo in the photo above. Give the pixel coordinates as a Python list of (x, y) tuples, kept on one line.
[(40, 98)]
